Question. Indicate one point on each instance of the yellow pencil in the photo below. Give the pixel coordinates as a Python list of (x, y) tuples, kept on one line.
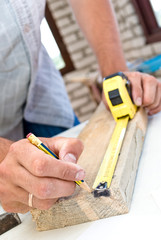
[(37, 142)]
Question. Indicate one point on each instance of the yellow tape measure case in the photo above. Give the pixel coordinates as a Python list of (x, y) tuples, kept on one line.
[(117, 93)]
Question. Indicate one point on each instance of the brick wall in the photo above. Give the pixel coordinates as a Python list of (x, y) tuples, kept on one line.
[(133, 41), (79, 50), (132, 35)]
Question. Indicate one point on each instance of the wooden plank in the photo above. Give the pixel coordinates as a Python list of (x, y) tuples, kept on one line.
[(83, 207)]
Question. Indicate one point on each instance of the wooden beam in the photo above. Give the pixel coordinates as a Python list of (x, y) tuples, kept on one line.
[(83, 207)]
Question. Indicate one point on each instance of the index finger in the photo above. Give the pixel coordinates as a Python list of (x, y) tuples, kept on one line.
[(150, 89), (136, 85), (43, 165), (64, 146)]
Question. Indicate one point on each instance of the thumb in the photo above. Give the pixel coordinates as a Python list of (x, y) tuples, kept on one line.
[(67, 149)]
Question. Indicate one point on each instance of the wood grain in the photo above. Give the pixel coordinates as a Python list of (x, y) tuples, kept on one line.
[(83, 207)]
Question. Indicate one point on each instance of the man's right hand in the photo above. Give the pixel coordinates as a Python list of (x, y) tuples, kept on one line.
[(26, 169)]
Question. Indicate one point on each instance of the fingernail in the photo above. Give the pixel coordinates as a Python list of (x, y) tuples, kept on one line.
[(138, 101), (80, 175), (69, 157)]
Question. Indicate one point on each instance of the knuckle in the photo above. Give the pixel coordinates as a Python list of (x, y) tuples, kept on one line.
[(4, 172), (133, 76), (42, 191), (159, 86), (71, 189), (66, 173), (78, 143), (13, 147), (7, 207), (75, 141), (148, 101), (15, 209), (137, 88), (38, 166), (156, 104), (151, 79), (2, 193), (81, 145), (153, 106), (45, 205)]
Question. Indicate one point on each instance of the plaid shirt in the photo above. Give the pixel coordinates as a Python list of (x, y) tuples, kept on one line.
[(31, 87)]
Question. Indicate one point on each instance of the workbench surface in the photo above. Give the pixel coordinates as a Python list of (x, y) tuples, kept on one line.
[(142, 222)]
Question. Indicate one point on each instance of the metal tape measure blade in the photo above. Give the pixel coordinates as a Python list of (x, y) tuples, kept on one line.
[(109, 162)]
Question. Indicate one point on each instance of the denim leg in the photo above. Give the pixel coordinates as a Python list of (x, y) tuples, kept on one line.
[(42, 130)]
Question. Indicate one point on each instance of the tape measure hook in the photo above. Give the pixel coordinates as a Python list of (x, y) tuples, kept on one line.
[(101, 190)]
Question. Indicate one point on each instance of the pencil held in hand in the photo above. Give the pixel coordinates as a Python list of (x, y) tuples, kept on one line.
[(38, 143)]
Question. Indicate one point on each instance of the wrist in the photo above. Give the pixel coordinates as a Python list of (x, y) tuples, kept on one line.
[(106, 70)]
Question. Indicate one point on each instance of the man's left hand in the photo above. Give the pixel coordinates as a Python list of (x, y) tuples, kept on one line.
[(146, 91)]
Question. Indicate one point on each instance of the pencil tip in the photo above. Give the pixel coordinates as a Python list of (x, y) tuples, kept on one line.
[(86, 187)]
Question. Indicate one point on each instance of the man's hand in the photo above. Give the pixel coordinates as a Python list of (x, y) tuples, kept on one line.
[(146, 91), (26, 169)]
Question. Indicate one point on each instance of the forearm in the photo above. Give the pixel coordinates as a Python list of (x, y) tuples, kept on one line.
[(4, 147), (97, 21)]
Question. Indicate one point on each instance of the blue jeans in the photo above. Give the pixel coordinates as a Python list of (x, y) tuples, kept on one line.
[(42, 130)]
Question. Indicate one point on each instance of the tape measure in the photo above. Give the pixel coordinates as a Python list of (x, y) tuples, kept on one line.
[(116, 88)]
